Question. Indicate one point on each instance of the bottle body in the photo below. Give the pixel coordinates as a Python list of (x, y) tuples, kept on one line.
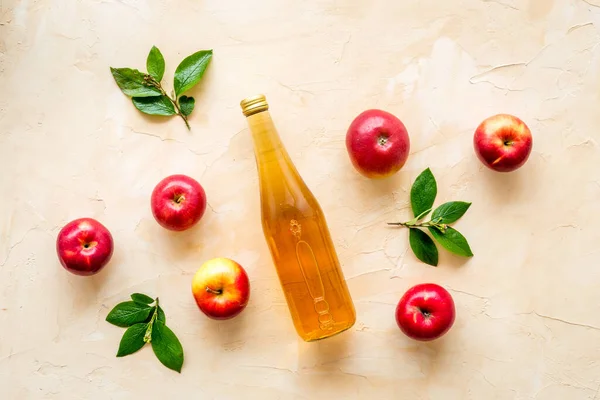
[(299, 240)]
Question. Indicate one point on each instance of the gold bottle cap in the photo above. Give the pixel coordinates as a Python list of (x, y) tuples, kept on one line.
[(254, 104)]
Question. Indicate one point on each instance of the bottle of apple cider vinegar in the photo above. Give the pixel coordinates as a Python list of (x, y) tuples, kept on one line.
[(297, 235)]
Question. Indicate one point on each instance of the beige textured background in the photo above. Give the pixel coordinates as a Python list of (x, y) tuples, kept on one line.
[(72, 145)]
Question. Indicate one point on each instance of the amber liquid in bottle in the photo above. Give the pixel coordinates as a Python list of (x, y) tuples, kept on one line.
[(297, 235)]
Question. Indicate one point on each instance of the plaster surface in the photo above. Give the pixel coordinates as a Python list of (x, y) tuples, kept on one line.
[(72, 145)]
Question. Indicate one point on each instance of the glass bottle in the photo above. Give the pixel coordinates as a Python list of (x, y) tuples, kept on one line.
[(297, 235)]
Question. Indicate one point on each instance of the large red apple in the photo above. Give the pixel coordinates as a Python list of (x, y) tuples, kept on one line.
[(178, 202), (377, 143), (425, 312), (503, 142), (221, 288), (84, 246)]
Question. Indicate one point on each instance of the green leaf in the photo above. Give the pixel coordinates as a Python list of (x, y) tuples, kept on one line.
[(452, 240), (190, 71), (158, 105), (422, 193), (450, 212), (142, 298), (423, 247), (132, 83), (167, 347), (128, 313), (186, 104), (155, 64), (132, 340), (161, 315)]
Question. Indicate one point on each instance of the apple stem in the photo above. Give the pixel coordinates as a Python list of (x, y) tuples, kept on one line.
[(425, 313), (179, 198), (213, 291)]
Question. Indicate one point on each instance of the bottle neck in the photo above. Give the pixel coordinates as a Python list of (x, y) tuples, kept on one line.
[(264, 134)]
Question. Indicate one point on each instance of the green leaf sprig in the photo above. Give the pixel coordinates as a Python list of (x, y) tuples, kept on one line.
[(147, 92), (146, 322), (422, 197)]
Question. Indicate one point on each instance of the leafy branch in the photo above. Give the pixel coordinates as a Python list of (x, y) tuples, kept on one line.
[(147, 93), (422, 197), (146, 322)]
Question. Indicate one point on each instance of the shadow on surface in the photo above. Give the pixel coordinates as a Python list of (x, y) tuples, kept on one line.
[(185, 243), (507, 186)]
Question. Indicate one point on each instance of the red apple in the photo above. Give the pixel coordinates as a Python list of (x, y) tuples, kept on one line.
[(178, 202), (425, 312), (221, 288), (377, 143), (84, 246), (503, 142)]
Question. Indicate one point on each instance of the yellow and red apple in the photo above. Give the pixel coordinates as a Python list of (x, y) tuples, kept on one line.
[(221, 288), (503, 142)]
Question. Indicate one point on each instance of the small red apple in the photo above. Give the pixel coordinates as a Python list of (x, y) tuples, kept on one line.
[(503, 142), (425, 312), (377, 143), (178, 202), (84, 246), (221, 288)]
